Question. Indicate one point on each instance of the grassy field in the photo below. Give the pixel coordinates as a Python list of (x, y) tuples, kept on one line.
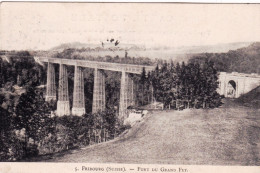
[(229, 135)]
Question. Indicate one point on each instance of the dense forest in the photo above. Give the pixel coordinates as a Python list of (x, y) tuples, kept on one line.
[(32, 128), (186, 85), (19, 68)]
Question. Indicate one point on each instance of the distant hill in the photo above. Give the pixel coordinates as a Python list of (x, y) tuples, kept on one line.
[(175, 53), (74, 45), (243, 60), (97, 47), (217, 48)]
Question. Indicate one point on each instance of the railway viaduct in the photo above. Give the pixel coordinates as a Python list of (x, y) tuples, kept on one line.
[(231, 85), (78, 107)]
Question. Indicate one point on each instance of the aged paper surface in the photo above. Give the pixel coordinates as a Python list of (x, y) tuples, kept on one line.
[(170, 31)]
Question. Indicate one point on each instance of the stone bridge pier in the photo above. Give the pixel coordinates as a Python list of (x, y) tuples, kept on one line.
[(78, 93), (126, 94), (63, 105), (99, 101), (51, 88)]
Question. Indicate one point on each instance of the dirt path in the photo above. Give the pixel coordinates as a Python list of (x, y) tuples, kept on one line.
[(224, 136)]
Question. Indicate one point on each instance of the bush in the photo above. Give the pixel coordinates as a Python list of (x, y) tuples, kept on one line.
[(12, 149), (73, 131)]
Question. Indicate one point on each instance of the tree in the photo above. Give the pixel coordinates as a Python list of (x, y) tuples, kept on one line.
[(188, 83), (31, 113), (5, 132), (11, 148), (210, 83), (143, 83)]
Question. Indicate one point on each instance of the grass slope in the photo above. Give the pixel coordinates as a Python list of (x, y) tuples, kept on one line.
[(251, 99), (224, 136)]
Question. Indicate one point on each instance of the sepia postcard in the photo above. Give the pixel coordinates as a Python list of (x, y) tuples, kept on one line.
[(129, 87)]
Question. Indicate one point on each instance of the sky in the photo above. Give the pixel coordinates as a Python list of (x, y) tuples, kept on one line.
[(41, 26)]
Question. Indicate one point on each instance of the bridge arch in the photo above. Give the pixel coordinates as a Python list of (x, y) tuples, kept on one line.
[(231, 89)]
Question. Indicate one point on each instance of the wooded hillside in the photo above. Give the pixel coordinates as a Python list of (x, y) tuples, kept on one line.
[(243, 60)]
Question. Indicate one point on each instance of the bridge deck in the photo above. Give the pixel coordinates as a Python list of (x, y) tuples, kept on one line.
[(129, 68)]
